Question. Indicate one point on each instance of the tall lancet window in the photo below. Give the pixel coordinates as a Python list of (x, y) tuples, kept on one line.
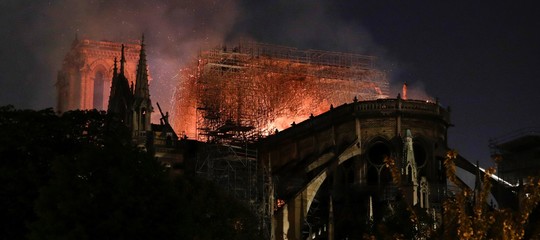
[(99, 85), (143, 119)]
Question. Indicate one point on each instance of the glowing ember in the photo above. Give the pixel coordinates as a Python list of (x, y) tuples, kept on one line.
[(280, 203), (404, 91)]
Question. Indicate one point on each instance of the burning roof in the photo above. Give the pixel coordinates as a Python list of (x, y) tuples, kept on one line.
[(254, 89)]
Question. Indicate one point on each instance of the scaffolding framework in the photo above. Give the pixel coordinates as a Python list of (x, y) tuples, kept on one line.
[(234, 169), (237, 95)]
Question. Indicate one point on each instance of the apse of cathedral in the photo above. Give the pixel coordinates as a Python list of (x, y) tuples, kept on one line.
[(331, 173)]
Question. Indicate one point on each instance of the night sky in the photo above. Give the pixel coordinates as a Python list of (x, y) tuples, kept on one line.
[(480, 59)]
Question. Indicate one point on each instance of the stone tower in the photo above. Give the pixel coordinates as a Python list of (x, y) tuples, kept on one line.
[(121, 95), (132, 104), (142, 105), (84, 81)]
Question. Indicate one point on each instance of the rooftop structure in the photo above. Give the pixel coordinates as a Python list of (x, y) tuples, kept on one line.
[(329, 175), (253, 89)]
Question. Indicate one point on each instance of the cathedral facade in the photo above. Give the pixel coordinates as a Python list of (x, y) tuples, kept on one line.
[(84, 82), (108, 76)]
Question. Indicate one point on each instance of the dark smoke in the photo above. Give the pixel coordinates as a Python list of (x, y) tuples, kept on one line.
[(323, 25), (38, 34)]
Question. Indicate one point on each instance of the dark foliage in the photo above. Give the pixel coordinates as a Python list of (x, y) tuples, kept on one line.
[(77, 176), (213, 214), (28, 143), (110, 192)]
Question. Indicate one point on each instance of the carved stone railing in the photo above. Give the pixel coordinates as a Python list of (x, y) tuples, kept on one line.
[(379, 107), (400, 106)]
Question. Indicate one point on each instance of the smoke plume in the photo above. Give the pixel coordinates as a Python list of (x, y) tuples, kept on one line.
[(39, 34), (174, 32)]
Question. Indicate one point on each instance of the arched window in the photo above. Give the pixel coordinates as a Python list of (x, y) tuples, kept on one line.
[(99, 87), (409, 174), (143, 119), (378, 152)]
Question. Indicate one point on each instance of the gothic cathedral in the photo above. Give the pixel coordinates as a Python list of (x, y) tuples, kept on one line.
[(132, 104)]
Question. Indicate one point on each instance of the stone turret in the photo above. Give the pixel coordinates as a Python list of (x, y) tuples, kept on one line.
[(142, 105), (121, 97), (410, 168), (132, 105)]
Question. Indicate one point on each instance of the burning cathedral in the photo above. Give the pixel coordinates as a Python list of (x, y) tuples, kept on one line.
[(302, 137)]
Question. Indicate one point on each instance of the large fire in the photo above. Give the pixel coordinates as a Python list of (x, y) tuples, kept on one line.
[(256, 89)]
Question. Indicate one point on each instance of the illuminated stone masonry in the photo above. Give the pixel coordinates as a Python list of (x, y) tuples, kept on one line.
[(338, 157), (84, 82)]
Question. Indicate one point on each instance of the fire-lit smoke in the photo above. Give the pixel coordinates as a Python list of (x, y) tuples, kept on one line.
[(174, 32), (410, 90), (404, 91), (255, 89)]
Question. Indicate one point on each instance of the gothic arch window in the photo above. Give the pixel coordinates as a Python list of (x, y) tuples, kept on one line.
[(99, 87), (409, 174), (143, 119), (378, 151)]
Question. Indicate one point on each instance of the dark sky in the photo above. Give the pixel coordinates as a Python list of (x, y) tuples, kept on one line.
[(480, 59)]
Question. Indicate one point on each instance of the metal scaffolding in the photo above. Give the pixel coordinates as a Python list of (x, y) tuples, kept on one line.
[(236, 170), (239, 94), (233, 168), (231, 97)]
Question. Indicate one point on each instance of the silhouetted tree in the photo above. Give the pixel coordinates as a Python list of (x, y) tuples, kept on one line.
[(470, 219), (110, 192), (29, 140), (213, 213), (78, 176)]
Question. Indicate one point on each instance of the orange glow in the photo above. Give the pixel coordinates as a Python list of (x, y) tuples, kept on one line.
[(256, 89), (404, 91), (280, 203), (75, 84)]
